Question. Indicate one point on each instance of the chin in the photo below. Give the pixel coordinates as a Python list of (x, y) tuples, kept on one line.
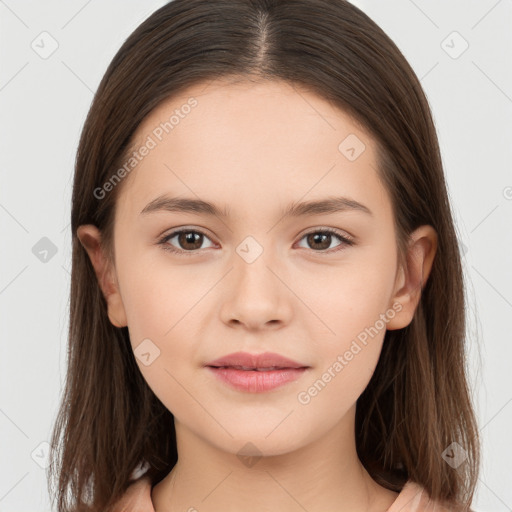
[(260, 438), (253, 447)]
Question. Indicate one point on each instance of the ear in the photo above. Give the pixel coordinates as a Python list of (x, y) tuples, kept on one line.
[(90, 237), (411, 280)]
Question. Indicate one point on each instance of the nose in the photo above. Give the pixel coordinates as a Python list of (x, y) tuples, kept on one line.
[(256, 296)]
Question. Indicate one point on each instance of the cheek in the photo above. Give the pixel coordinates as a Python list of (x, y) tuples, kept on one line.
[(348, 298), (348, 358), (337, 385), (352, 303), (163, 306), (356, 310), (159, 299), (164, 334)]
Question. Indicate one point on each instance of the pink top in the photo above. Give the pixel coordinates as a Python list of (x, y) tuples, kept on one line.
[(412, 498)]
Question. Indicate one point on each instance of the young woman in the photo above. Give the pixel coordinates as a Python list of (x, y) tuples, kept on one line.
[(267, 304)]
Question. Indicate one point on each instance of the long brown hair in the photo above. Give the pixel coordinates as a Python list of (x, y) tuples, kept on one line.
[(417, 402)]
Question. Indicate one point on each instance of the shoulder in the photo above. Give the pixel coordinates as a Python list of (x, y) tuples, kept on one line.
[(137, 497), (414, 498)]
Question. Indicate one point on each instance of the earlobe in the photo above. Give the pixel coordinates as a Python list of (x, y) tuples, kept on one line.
[(412, 279), (90, 238)]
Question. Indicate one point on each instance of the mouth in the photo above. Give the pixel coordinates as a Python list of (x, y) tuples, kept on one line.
[(256, 380), (266, 361), (256, 373), (251, 368)]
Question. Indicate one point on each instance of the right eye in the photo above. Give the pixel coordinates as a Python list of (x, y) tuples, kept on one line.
[(190, 240)]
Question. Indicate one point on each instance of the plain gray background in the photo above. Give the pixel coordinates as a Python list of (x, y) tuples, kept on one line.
[(44, 100)]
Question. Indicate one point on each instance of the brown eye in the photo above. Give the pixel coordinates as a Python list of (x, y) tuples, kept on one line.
[(321, 240), (188, 241)]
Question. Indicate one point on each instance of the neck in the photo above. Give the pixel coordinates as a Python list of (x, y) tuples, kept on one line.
[(322, 475)]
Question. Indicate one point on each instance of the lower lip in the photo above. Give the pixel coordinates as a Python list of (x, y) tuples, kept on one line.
[(254, 381)]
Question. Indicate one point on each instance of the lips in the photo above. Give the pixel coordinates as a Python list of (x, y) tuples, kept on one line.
[(256, 373), (266, 361)]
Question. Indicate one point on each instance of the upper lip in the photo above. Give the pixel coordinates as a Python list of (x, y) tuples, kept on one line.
[(264, 360)]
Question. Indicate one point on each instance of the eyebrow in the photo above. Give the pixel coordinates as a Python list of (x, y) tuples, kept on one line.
[(198, 206)]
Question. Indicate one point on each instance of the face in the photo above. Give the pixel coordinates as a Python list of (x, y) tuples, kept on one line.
[(319, 286)]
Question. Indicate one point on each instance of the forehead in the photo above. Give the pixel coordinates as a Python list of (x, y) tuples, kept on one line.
[(263, 108), (245, 139)]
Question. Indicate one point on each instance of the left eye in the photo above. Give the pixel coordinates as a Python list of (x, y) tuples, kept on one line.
[(324, 238), (191, 240)]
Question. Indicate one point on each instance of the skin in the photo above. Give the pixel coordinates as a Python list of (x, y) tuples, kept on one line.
[(256, 148)]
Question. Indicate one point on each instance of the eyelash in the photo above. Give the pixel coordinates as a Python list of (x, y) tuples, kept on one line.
[(343, 238)]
